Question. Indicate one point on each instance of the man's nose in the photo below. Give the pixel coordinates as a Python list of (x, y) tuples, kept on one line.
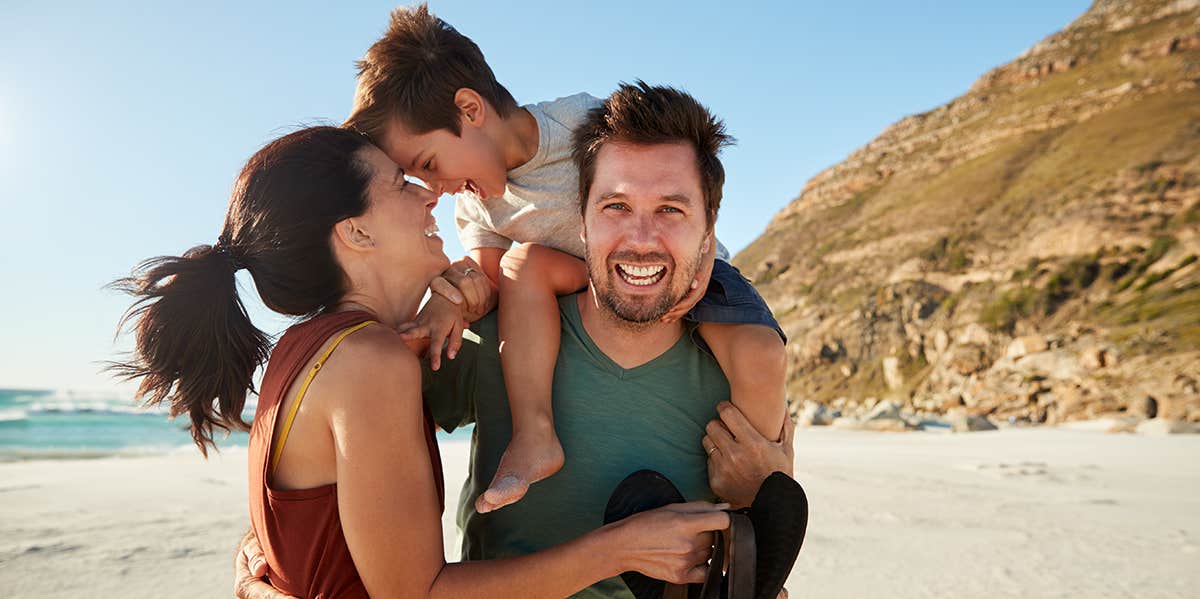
[(643, 233)]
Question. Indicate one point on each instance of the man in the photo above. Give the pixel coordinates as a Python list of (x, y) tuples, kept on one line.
[(631, 390)]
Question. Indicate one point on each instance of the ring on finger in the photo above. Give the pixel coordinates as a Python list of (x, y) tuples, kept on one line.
[(714, 448), (467, 271)]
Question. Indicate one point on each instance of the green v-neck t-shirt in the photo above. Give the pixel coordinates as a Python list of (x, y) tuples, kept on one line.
[(612, 421)]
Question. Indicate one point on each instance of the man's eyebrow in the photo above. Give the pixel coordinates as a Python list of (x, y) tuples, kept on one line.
[(677, 197), (611, 195)]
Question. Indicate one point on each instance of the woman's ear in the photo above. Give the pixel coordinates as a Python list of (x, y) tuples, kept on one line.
[(351, 234)]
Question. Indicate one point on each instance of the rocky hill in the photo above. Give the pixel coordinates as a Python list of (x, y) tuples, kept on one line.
[(1024, 253)]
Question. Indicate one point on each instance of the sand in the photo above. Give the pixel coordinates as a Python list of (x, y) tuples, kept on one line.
[(1029, 513)]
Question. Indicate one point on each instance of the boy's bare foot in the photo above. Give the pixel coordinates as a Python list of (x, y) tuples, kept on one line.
[(527, 459)]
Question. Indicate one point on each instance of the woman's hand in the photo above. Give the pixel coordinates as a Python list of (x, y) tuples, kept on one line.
[(249, 566), (740, 459), (465, 285), (441, 322), (672, 543)]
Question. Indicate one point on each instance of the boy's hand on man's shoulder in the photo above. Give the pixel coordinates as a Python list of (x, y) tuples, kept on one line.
[(699, 287)]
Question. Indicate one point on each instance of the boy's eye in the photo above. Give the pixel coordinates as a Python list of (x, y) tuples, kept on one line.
[(428, 166)]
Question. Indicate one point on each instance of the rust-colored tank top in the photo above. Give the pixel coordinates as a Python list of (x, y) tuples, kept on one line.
[(300, 531)]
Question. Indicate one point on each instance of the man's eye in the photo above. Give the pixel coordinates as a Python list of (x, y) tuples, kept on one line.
[(616, 207), (671, 209)]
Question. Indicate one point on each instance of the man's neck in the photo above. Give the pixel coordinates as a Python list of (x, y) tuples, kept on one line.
[(628, 346), (519, 138)]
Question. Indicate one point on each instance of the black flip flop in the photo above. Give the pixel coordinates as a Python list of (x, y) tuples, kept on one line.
[(642, 491), (780, 517)]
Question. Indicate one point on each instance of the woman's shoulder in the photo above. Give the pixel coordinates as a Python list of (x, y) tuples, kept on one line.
[(373, 361)]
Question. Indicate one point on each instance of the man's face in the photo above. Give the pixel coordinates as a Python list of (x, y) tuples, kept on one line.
[(645, 228)]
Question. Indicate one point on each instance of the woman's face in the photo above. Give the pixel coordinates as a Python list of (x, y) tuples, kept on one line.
[(400, 220)]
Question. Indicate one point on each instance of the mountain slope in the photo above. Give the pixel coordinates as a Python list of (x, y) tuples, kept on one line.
[(1026, 251)]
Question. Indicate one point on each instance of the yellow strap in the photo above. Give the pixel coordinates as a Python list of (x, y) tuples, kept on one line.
[(312, 373)]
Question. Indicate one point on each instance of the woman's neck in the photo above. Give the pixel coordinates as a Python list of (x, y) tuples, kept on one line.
[(390, 311)]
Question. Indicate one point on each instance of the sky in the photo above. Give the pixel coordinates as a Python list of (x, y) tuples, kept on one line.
[(123, 124)]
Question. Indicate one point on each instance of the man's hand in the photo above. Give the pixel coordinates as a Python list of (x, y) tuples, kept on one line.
[(740, 459), (249, 566), (467, 287), (699, 286)]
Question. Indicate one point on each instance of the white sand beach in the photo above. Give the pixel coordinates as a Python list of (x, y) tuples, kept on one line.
[(1014, 513)]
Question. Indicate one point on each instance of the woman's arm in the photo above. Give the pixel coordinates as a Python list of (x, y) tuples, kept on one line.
[(389, 509)]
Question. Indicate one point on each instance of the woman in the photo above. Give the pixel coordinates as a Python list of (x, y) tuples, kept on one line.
[(345, 486)]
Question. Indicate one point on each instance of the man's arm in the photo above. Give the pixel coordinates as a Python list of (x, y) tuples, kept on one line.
[(740, 459)]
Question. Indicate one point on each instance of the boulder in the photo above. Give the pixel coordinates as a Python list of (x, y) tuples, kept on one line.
[(1162, 426), (1023, 346), (891, 373), (1093, 358), (814, 414), (884, 410), (974, 334), (1056, 364), (965, 359), (962, 422)]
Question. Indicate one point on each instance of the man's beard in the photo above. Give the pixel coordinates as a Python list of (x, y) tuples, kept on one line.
[(639, 312)]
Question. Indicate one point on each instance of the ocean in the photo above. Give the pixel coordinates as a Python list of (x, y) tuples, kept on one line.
[(50, 424)]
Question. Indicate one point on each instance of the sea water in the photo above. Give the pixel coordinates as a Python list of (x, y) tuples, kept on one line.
[(49, 424)]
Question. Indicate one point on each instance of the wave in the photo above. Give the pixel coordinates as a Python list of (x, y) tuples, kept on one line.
[(94, 407), (13, 415)]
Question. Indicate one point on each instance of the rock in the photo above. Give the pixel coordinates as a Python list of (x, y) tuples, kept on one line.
[(941, 341), (1056, 364), (1146, 407), (889, 426), (1093, 358), (974, 334), (891, 373), (1023, 346), (1161, 426), (961, 422), (814, 414), (965, 359), (1106, 424), (884, 410)]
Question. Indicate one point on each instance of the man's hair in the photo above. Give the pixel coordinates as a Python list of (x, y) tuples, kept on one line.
[(412, 73), (644, 114)]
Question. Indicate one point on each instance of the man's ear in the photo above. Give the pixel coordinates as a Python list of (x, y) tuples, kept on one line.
[(472, 108), (350, 233), (708, 241)]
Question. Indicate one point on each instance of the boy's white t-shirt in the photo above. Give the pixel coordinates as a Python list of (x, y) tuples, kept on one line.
[(541, 202)]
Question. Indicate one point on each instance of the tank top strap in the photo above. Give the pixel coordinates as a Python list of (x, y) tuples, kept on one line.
[(312, 373)]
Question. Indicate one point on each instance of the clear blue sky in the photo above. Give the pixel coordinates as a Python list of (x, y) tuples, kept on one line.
[(123, 124)]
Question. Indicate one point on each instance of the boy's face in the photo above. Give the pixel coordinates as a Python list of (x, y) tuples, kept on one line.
[(645, 228), (449, 163)]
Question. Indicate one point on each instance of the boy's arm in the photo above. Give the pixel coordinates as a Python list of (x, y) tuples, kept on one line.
[(489, 262)]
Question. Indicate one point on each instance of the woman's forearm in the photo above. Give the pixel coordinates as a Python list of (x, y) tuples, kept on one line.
[(552, 573)]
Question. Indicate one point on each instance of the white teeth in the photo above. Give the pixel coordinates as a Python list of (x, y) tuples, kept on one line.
[(639, 275), (641, 271), (431, 230)]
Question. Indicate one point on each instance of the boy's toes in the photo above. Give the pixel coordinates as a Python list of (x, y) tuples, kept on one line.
[(505, 490)]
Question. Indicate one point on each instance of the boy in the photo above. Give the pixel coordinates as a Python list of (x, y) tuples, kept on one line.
[(428, 98)]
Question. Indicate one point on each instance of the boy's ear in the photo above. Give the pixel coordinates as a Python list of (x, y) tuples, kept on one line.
[(350, 233), (472, 108)]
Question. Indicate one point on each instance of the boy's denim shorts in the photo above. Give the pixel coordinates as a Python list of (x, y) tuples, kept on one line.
[(730, 299)]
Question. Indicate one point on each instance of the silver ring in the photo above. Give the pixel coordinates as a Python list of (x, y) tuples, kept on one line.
[(710, 452), (467, 271)]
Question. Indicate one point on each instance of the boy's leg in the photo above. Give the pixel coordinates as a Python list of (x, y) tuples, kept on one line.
[(753, 359), (532, 277)]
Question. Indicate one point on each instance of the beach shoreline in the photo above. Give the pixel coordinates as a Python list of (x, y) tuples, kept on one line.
[(1033, 512)]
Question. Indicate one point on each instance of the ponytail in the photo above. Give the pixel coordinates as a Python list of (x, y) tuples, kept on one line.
[(196, 347), (195, 341)]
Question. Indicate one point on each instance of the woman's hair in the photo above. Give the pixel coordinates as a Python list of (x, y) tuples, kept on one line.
[(196, 347)]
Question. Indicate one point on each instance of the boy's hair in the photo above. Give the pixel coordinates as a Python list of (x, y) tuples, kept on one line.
[(646, 115), (413, 72)]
